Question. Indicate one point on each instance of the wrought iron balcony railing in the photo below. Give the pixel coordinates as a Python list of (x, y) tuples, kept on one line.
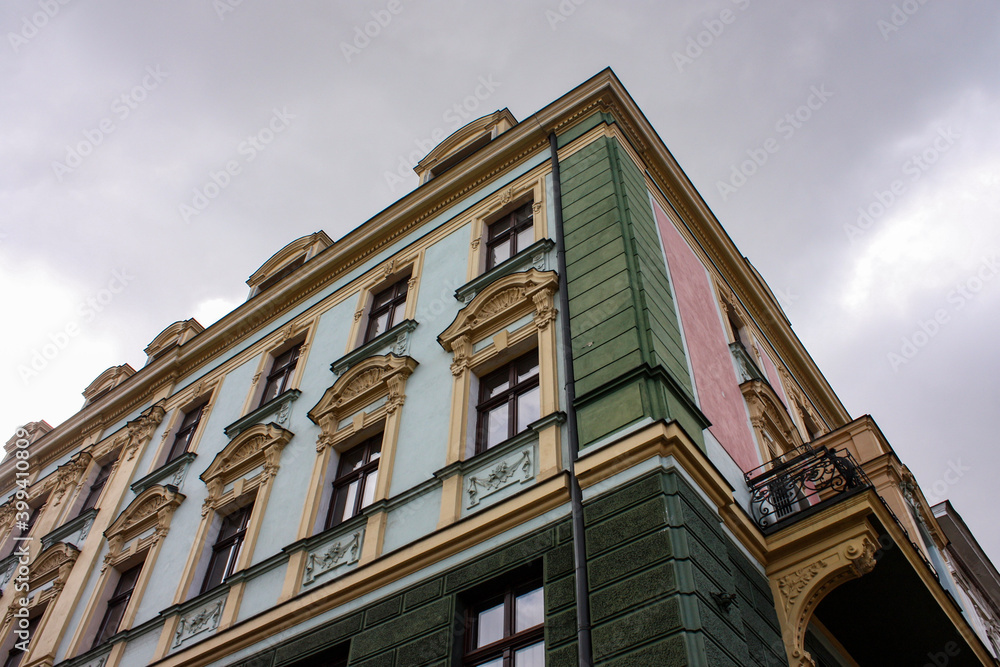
[(801, 481)]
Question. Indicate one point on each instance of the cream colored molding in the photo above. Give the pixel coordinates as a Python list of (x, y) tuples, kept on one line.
[(151, 509), (799, 588), (378, 378), (773, 427), (527, 188), (409, 262)]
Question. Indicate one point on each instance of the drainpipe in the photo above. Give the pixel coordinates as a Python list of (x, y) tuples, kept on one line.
[(584, 645)]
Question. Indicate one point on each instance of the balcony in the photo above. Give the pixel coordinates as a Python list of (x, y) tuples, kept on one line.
[(801, 482)]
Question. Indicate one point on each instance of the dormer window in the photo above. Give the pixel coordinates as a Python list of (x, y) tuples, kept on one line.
[(286, 261), (463, 143)]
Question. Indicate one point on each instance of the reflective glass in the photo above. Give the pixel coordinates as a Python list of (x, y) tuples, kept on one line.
[(532, 656), (528, 610), (490, 626)]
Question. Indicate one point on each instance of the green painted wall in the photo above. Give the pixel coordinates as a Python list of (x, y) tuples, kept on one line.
[(627, 351), (656, 553)]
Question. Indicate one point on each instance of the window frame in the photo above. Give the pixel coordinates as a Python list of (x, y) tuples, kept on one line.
[(119, 600), (511, 395), (508, 235), (396, 269), (512, 640), (232, 543), (396, 303), (342, 481), (186, 431), (94, 493), (286, 372)]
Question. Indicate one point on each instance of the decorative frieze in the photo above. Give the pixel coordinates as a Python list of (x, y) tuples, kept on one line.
[(202, 619), (333, 556), (516, 469)]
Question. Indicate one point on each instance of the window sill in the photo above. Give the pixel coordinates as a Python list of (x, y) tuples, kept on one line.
[(280, 404), (171, 473), (72, 532), (395, 340), (534, 256)]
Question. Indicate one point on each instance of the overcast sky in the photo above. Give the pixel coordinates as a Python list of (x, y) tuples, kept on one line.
[(872, 206)]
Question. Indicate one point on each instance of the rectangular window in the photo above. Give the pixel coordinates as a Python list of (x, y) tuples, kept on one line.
[(509, 235), (226, 549), (387, 309), (117, 604), (96, 487), (16, 655), (354, 487), (182, 440), (507, 630), (508, 401), (280, 375)]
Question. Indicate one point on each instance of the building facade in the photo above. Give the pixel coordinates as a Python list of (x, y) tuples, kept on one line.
[(540, 411)]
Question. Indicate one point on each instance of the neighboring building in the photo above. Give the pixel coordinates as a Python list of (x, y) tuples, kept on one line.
[(975, 576), (371, 461)]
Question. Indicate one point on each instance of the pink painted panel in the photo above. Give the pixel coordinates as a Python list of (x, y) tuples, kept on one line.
[(714, 375), (772, 376)]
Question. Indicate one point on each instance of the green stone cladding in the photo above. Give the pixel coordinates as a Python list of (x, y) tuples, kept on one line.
[(627, 351), (656, 554)]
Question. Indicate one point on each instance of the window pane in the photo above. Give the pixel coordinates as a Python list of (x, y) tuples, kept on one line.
[(525, 238), (375, 449), (494, 383), (528, 610), (528, 409), (379, 325), (497, 425), (499, 227), (498, 254), (527, 366), (490, 626), (381, 298), (270, 391), (398, 313), (370, 481), (350, 498), (351, 460), (532, 656)]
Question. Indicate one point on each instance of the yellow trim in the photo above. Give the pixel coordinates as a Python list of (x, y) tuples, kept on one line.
[(527, 188)]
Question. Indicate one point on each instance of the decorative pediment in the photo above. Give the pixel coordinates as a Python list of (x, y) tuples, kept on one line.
[(176, 334), (53, 563), (499, 304), (291, 256), (107, 381), (365, 382), (257, 446), (152, 508), (768, 415)]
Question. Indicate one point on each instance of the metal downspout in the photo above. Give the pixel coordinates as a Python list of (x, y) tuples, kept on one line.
[(584, 645)]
